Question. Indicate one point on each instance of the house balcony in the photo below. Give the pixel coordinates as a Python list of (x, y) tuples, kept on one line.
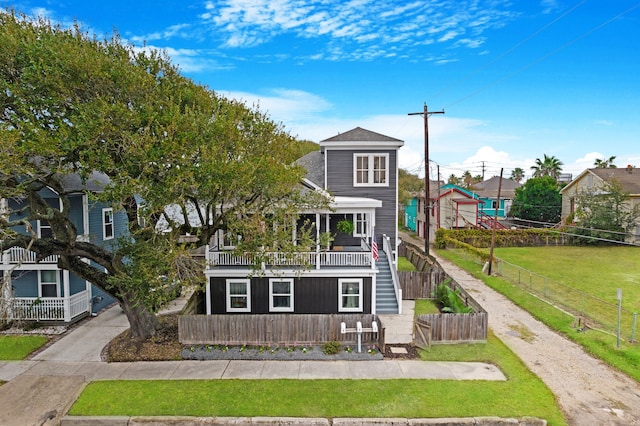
[(65, 309), (344, 257), (20, 256)]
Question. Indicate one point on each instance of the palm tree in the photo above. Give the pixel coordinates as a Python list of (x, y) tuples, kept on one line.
[(605, 163), (467, 179), (550, 166), (517, 174), (453, 179)]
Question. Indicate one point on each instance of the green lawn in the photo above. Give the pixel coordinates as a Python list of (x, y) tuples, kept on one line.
[(404, 265), (598, 271), (425, 307), (603, 345), (523, 394), (13, 348)]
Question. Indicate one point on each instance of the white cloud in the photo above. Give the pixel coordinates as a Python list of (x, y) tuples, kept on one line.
[(283, 105), (357, 25)]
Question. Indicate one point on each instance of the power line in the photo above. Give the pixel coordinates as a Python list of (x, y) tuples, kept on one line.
[(542, 58), (511, 49)]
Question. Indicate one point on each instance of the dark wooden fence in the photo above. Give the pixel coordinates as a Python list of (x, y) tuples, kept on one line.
[(444, 328), (457, 328), (286, 329)]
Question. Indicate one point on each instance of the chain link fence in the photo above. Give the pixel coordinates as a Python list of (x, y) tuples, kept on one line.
[(588, 310)]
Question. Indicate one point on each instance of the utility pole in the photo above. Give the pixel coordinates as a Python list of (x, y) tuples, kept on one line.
[(427, 199), (495, 222)]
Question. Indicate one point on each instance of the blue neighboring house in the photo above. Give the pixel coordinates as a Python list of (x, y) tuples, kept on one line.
[(40, 290), (487, 192), (411, 214)]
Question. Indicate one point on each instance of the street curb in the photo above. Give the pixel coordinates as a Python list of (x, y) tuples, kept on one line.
[(291, 421)]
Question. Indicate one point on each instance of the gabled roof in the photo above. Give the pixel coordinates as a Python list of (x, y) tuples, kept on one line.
[(360, 137), (96, 182), (627, 177), (461, 195), (448, 187), (313, 163), (489, 188)]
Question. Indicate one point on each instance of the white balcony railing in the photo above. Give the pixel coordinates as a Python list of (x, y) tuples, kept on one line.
[(317, 260), (15, 255), (49, 308)]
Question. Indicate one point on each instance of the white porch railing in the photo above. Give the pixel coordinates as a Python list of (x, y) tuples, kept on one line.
[(49, 308), (386, 246), (316, 260), (15, 255)]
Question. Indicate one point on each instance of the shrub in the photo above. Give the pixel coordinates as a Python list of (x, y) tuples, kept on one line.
[(331, 348), (450, 301)]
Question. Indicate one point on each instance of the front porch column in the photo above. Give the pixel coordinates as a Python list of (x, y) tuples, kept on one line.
[(318, 241), (66, 295)]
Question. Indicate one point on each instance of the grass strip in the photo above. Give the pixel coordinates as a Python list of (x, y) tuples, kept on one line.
[(523, 394), (404, 265), (601, 345), (15, 348)]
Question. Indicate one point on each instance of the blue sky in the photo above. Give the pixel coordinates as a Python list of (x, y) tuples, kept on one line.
[(517, 79)]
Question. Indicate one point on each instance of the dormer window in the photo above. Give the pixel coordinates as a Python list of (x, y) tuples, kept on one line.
[(371, 170)]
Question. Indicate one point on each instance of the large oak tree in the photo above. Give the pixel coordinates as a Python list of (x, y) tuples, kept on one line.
[(173, 151)]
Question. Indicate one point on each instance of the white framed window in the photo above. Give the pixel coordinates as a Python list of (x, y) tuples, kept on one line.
[(44, 229), (238, 295), (360, 225), (48, 284), (370, 169), (107, 224), (350, 295), (281, 295)]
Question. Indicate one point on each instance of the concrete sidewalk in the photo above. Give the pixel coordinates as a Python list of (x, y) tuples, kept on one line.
[(238, 369)]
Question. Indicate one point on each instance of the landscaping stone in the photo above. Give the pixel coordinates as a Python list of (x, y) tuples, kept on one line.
[(277, 353)]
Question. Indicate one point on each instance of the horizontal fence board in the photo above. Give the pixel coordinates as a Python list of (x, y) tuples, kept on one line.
[(450, 328), (287, 329)]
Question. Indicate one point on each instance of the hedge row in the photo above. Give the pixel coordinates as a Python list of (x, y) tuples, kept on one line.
[(478, 238)]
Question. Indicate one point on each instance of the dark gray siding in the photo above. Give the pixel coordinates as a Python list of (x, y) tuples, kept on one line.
[(312, 295), (340, 182)]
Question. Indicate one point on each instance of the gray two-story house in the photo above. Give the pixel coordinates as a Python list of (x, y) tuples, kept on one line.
[(353, 271)]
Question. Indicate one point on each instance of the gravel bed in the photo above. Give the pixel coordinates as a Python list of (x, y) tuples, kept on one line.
[(280, 353)]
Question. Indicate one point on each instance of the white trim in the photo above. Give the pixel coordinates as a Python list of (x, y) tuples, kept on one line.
[(247, 295), (289, 308), (41, 227), (343, 145), (208, 296), (364, 222), (85, 215), (41, 282), (104, 224), (370, 169), (342, 308)]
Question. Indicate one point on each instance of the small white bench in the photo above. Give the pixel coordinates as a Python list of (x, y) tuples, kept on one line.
[(359, 329)]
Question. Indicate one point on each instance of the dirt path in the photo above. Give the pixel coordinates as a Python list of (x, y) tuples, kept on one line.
[(589, 391)]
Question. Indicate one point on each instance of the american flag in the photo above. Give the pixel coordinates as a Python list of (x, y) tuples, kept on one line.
[(374, 248)]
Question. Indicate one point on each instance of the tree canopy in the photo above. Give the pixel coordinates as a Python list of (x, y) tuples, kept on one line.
[(605, 163), (604, 214), (174, 153), (409, 186), (549, 166), (538, 200), (517, 174)]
